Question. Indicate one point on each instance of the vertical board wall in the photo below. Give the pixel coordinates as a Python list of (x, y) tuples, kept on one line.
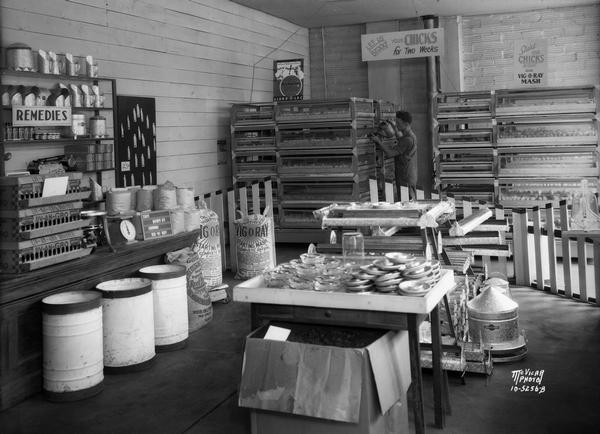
[(573, 36), (195, 57)]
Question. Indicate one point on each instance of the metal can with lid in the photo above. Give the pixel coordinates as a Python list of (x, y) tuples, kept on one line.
[(78, 125), (98, 126), (493, 317)]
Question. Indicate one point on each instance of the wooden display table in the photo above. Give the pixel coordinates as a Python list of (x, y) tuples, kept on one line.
[(390, 312), (20, 307)]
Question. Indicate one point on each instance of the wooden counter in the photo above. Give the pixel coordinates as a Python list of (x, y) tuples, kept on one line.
[(20, 307)]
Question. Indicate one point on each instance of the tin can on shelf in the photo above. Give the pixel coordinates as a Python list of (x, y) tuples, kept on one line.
[(98, 126), (78, 127)]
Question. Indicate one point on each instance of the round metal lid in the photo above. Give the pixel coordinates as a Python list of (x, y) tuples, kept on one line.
[(492, 303)]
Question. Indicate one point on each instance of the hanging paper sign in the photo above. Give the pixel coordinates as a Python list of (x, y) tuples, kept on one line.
[(40, 116), (530, 63), (288, 80), (402, 45)]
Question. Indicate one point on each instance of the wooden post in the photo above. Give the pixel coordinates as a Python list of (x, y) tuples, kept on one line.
[(551, 247), (499, 214), (255, 197), (566, 247), (467, 207), (243, 200), (581, 265), (597, 270), (389, 192), (231, 225), (420, 193), (374, 194), (269, 203), (537, 243), (520, 249), (217, 207), (450, 198), (404, 193)]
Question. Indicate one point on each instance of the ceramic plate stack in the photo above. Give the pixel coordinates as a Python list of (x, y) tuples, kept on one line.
[(362, 281), (387, 282), (418, 277)]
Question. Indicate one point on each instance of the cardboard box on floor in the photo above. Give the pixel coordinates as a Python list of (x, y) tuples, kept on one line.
[(302, 388)]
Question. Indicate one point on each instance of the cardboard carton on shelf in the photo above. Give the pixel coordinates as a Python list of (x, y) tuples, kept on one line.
[(314, 388)]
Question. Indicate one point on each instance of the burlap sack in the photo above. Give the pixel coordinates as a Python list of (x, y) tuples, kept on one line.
[(200, 310), (253, 245)]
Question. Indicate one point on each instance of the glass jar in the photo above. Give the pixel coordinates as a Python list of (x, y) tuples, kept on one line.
[(78, 127), (98, 126)]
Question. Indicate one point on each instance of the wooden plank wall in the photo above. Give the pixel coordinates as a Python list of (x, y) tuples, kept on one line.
[(336, 68), (195, 57)]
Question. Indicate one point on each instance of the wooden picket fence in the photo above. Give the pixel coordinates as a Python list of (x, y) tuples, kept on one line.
[(255, 198), (544, 247)]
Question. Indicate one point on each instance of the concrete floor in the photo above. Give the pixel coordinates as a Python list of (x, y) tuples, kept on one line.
[(194, 390)]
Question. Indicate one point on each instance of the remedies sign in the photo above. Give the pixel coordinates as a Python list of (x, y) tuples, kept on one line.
[(23, 116), (531, 63), (402, 45)]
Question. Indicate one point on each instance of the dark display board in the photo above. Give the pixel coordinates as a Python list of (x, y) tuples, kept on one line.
[(136, 157), (288, 80)]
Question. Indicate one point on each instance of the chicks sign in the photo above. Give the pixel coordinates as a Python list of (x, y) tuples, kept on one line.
[(531, 63), (402, 45)]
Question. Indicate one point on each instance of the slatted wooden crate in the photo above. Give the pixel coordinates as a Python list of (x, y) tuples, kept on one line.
[(461, 105), (346, 109), (298, 136), (29, 223), (253, 138), (327, 161), (24, 256), (253, 113), (384, 110), (20, 192)]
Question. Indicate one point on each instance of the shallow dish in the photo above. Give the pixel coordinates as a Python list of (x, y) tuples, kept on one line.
[(388, 276), (412, 286), (358, 282), (362, 288), (393, 282), (372, 270), (387, 289), (412, 293), (424, 272), (387, 265), (399, 257)]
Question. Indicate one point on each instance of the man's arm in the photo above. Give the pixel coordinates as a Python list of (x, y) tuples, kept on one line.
[(389, 151)]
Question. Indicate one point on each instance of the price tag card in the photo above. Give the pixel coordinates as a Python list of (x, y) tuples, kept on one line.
[(156, 224), (55, 186)]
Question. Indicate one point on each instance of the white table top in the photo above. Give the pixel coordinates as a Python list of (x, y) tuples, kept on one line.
[(255, 291)]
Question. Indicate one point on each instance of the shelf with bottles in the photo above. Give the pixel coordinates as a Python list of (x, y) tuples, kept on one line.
[(537, 101), (33, 89)]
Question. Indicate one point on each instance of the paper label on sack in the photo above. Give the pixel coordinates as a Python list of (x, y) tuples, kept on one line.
[(55, 186), (275, 333)]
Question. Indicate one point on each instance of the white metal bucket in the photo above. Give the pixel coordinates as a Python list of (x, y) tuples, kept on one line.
[(128, 324), (72, 354), (169, 287)]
